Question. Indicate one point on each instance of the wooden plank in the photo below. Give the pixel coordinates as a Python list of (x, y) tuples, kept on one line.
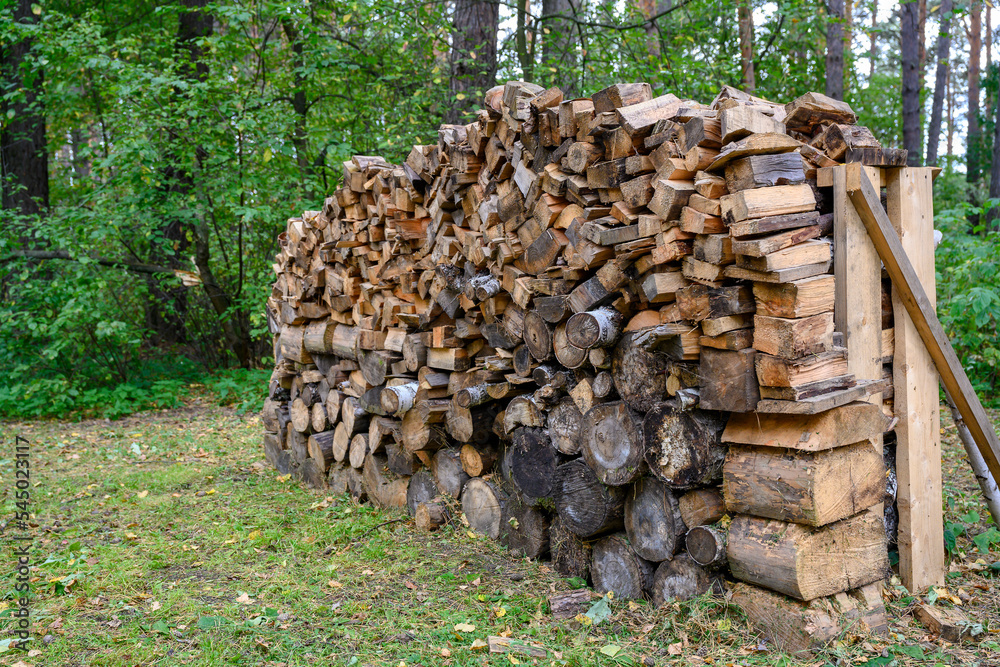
[(910, 203), (857, 271), (862, 391), (920, 309)]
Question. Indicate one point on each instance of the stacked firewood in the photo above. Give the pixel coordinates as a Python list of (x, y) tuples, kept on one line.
[(548, 318)]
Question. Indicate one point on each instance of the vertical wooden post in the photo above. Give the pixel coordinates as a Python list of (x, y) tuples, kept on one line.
[(910, 205), (857, 310)]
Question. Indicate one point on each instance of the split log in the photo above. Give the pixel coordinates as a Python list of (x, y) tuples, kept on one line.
[(799, 627), (814, 488), (845, 425), (806, 562), (358, 450)]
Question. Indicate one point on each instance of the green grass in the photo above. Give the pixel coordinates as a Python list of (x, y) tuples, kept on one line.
[(164, 539)]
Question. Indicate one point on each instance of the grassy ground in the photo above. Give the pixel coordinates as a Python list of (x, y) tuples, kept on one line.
[(164, 539)]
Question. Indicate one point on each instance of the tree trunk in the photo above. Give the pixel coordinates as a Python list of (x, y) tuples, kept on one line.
[(524, 41), (25, 158), (995, 167), (473, 54), (940, 79), (910, 51), (558, 45), (873, 36), (300, 139), (951, 114), (835, 49), (745, 14), (848, 39), (972, 141)]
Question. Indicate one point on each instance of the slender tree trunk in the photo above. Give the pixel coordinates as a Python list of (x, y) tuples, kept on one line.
[(558, 45), (951, 115), (848, 66), (835, 49), (995, 169), (473, 54), (745, 14), (940, 82), (972, 168), (523, 41), (910, 51), (649, 9), (300, 105), (989, 37), (23, 150), (872, 39)]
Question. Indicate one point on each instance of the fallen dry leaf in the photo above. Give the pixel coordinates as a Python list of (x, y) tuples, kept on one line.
[(244, 599)]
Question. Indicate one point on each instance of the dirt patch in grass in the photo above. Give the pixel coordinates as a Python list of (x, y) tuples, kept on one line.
[(164, 539)]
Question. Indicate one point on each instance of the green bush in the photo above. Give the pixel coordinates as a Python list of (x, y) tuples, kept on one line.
[(968, 262)]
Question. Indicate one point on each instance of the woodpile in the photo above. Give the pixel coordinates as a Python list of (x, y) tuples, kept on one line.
[(600, 331)]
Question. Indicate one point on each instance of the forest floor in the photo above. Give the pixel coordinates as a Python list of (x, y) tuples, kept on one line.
[(165, 539)]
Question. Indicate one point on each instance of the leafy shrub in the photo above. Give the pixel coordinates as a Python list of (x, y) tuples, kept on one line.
[(968, 262)]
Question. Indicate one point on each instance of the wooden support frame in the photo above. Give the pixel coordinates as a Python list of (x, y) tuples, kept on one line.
[(910, 204), (857, 309), (910, 292)]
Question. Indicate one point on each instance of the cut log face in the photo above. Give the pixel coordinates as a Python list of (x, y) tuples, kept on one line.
[(653, 520), (639, 374), (814, 488), (482, 503), (706, 545), (616, 567), (729, 380), (684, 448), (447, 468), (806, 562), (565, 422), (533, 462), (679, 579), (524, 529), (585, 506), (571, 555), (612, 444), (422, 489)]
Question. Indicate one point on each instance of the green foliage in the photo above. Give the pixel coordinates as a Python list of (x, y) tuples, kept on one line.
[(968, 261)]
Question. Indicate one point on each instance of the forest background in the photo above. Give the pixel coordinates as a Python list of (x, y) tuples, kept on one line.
[(152, 152)]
